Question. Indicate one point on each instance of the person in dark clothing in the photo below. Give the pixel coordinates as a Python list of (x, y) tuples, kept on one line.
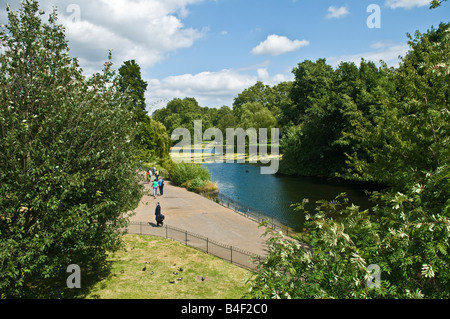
[(158, 216), (161, 186)]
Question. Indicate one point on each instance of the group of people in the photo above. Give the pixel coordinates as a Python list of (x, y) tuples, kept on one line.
[(158, 182)]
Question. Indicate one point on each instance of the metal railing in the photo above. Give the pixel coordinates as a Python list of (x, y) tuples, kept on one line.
[(250, 213), (231, 254)]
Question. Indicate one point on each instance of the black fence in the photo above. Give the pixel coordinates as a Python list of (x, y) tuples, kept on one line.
[(231, 254), (251, 213)]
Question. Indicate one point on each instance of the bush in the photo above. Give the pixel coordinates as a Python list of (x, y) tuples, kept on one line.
[(183, 172)]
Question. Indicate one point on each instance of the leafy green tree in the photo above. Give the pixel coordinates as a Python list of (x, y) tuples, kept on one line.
[(255, 93), (273, 98), (181, 113), (405, 141), (282, 104), (131, 83), (225, 119), (316, 112), (151, 138), (66, 170), (255, 115), (408, 137), (324, 104)]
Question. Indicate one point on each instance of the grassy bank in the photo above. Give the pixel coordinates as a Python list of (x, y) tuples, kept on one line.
[(128, 280)]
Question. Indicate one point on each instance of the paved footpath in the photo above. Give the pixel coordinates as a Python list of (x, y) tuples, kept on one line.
[(197, 214)]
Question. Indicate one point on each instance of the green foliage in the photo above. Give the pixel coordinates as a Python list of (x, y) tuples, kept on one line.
[(255, 115), (196, 184), (184, 172), (324, 103), (408, 136), (409, 245), (223, 119), (182, 114), (131, 83), (436, 3), (151, 138), (66, 169), (397, 122)]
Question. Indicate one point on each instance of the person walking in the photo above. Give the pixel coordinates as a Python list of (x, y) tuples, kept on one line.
[(149, 176), (155, 188), (161, 186), (158, 216)]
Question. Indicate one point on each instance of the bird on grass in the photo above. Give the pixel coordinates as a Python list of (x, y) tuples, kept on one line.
[(203, 278), (144, 269), (180, 279)]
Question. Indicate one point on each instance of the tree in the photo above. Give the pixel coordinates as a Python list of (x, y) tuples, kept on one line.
[(315, 110), (409, 132), (151, 138), (66, 170), (131, 83), (405, 141), (255, 115), (324, 102), (225, 119), (181, 113)]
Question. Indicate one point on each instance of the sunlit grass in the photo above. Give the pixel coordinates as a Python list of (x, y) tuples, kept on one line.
[(161, 258)]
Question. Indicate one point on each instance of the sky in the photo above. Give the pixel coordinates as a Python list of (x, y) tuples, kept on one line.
[(214, 49)]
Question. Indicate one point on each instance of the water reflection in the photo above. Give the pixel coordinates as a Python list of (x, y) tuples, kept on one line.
[(273, 195)]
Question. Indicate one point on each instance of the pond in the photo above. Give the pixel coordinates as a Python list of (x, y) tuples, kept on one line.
[(273, 195)]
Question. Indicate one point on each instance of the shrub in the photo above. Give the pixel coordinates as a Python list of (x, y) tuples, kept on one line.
[(183, 172)]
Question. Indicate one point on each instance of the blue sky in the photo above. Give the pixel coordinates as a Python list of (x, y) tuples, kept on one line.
[(213, 49)]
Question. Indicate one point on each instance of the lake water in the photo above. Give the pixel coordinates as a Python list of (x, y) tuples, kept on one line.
[(273, 195)]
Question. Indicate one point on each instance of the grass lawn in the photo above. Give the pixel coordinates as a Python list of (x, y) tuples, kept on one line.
[(163, 257)]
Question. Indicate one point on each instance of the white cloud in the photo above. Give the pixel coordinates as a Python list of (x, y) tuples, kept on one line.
[(212, 89), (407, 4), (144, 30), (276, 45), (386, 51), (334, 12)]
